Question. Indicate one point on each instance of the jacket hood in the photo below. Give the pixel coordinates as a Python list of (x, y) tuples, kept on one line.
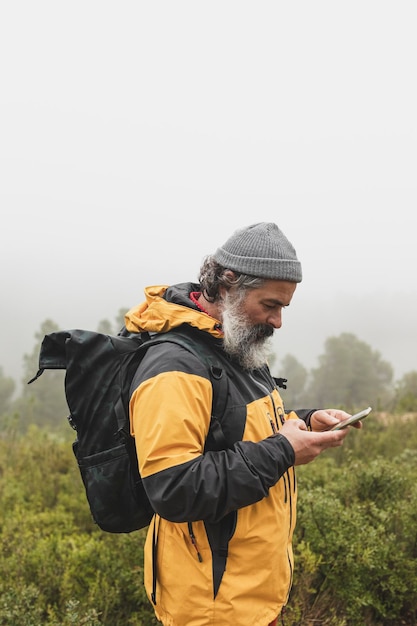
[(167, 307)]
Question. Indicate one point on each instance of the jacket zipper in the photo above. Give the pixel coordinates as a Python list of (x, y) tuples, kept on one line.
[(194, 542), (286, 477)]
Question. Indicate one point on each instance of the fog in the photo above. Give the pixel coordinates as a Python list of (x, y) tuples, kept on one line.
[(137, 136)]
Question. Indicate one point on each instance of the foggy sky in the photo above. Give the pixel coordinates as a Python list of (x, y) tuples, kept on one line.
[(135, 137)]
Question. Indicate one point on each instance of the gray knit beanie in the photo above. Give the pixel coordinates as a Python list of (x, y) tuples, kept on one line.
[(260, 250)]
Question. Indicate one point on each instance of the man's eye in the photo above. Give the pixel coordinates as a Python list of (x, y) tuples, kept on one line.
[(274, 307)]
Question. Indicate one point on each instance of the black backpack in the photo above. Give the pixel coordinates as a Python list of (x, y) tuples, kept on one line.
[(99, 370)]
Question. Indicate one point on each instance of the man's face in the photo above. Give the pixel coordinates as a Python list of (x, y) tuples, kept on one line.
[(249, 318)]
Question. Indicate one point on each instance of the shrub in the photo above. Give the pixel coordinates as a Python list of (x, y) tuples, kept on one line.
[(355, 542), (57, 567)]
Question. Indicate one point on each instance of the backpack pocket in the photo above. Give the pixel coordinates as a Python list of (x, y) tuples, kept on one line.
[(114, 489)]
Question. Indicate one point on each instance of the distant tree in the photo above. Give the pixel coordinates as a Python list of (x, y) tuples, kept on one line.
[(105, 327), (350, 375), (120, 318), (406, 393), (7, 387), (296, 375), (31, 361), (42, 402)]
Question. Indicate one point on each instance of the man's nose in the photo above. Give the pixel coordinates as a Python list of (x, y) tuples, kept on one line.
[(275, 319)]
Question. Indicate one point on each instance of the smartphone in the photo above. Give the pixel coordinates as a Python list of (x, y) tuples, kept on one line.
[(352, 419)]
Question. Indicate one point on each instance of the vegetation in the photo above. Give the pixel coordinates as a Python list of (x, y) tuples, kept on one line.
[(350, 375), (57, 567), (356, 535), (356, 539)]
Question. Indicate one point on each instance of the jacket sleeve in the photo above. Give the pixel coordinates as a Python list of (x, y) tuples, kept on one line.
[(304, 414), (170, 417), (216, 483)]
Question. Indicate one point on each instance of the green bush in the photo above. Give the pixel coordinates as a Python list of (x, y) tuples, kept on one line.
[(355, 541), (356, 537), (57, 567)]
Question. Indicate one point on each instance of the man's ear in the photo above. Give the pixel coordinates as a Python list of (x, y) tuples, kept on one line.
[(230, 274)]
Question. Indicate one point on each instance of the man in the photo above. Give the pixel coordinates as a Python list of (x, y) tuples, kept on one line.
[(218, 550)]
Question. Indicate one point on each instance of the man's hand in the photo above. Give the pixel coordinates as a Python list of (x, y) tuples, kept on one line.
[(308, 445), (327, 418)]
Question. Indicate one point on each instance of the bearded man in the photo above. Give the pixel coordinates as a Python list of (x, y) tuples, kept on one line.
[(219, 547)]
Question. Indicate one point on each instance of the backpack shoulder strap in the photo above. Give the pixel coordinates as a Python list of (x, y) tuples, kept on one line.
[(184, 337)]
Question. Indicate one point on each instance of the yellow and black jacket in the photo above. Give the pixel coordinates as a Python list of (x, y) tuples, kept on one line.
[(224, 518)]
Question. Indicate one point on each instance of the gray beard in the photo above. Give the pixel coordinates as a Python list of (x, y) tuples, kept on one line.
[(249, 345)]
